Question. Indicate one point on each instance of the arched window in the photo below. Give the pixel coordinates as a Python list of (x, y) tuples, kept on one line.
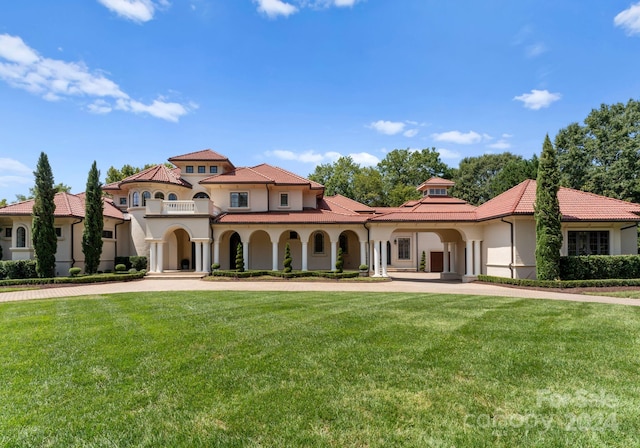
[(135, 202), (318, 243), (173, 197), (21, 237), (145, 195), (201, 195), (159, 195)]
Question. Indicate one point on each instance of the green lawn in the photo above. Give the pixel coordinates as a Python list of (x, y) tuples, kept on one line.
[(317, 369), (630, 294)]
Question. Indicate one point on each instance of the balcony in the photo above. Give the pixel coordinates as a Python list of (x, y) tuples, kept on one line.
[(158, 207)]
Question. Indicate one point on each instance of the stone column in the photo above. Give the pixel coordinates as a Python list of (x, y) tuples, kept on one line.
[(206, 256), (469, 258), (453, 258), (152, 256), (245, 254), (384, 258), (198, 247), (334, 254), (363, 252), (274, 256), (305, 264), (477, 269), (160, 257), (216, 251), (376, 258), (445, 269)]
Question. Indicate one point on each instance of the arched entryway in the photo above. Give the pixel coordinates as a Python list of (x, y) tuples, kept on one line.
[(234, 240), (179, 251)]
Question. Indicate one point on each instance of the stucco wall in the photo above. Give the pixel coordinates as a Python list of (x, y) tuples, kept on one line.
[(497, 248)]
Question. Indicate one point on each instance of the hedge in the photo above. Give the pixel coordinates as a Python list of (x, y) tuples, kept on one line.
[(19, 269), (101, 278), (562, 284), (138, 263), (596, 267), (282, 274)]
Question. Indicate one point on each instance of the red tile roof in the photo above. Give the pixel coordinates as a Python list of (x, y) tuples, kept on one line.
[(345, 204), (575, 205), (435, 182), (67, 205), (261, 174), (315, 216), (157, 174), (206, 155)]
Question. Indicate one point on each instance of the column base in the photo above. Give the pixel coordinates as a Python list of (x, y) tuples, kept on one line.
[(449, 276), (469, 278)]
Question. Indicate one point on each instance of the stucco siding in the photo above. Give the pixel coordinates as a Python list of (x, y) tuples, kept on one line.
[(497, 248)]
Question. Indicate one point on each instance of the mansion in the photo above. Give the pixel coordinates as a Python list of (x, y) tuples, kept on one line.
[(194, 215)]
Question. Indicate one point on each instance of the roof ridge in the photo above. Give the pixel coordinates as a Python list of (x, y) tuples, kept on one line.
[(525, 183), (597, 195), (252, 169)]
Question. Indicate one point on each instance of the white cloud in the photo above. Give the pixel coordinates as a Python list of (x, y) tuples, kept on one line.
[(500, 144), (388, 127), (341, 3), (538, 99), (364, 158), (135, 10), (629, 19), (275, 8), (14, 172), (536, 49), (54, 80), (448, 154), (410, 133), (460, 138)]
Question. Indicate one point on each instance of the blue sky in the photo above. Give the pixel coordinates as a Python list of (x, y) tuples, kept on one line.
[(297, 83)]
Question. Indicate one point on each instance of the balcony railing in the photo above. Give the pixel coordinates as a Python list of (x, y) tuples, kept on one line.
[(194, 207)]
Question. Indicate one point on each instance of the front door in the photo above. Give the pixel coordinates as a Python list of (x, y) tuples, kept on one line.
[(437, 262)]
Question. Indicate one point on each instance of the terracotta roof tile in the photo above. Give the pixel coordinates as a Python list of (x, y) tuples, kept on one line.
[(303, 217), (67, 205), (435, 182), (261, 174), (160, 174), (206, 155), (347, 204)]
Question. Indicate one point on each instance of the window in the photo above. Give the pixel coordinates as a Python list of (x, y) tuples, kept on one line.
[(21, 237), (159, 195), (588, 243), (213, 169), (293, 235), (404, 248), (189, 168), (123, 201), (284, 199), (136, 199), (202, 169), (201, 195), (343, 242), (173, 197), (107, 234), (59, 232), (145, 195), (240, 199), (437, 191), (318, 243), (8, 232)]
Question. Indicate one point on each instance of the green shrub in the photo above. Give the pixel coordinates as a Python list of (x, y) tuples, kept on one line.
[(73, 280), (121, 268), (20, 269), (138, 263), (598, 283), (133, 271), (363, 267), (339, 261), (287, 259), (123, 260), (239, 258), (73, 272), (597, 267), (423, 262), (215, 266), (3, 271)]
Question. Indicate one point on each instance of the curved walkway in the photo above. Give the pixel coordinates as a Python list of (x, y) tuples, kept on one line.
[(401, 282)]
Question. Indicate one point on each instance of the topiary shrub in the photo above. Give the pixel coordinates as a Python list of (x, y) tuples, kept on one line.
[(73, 272), (133, 271), (215, 266), (138, 263), (423, 262), (20, 269), (121, 268), (239, 258), (287, 259), (339, 261), (363, 267)]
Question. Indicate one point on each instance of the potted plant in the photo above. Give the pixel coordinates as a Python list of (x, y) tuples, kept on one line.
[(364, 270)]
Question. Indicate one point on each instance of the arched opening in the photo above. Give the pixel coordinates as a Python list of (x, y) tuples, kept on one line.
[(201, 195), (159, 195), (21, 237), (350, 245), (260, 250), (145, 196), (295, 248), (234, 240), (173, 197), (179, 253), (135, 200), (319, 252)]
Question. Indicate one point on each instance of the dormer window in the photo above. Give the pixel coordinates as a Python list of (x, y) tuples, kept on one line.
[(437, 191), (202, 169), (213, 169), (189, 169)]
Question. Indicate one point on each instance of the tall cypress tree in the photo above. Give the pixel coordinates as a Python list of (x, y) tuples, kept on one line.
[(45, 242), (547, 215), (93, 222)]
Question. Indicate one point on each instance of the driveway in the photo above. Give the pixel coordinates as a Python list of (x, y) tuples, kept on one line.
[(400, 282)]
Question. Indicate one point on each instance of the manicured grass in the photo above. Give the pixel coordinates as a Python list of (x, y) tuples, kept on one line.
[(630, 294), (317, 369), (17, 288)]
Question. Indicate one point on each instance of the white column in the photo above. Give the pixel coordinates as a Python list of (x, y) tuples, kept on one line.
[(274, 255), (305, 264), (363, 252), (453, 258), (245, 254), (376, 258), (477, 269), (152, 256), (384, 258), (206, 256), (160, 257), (445, 269), (216, 251), (469, 258), (334, 254), (198, 247)]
